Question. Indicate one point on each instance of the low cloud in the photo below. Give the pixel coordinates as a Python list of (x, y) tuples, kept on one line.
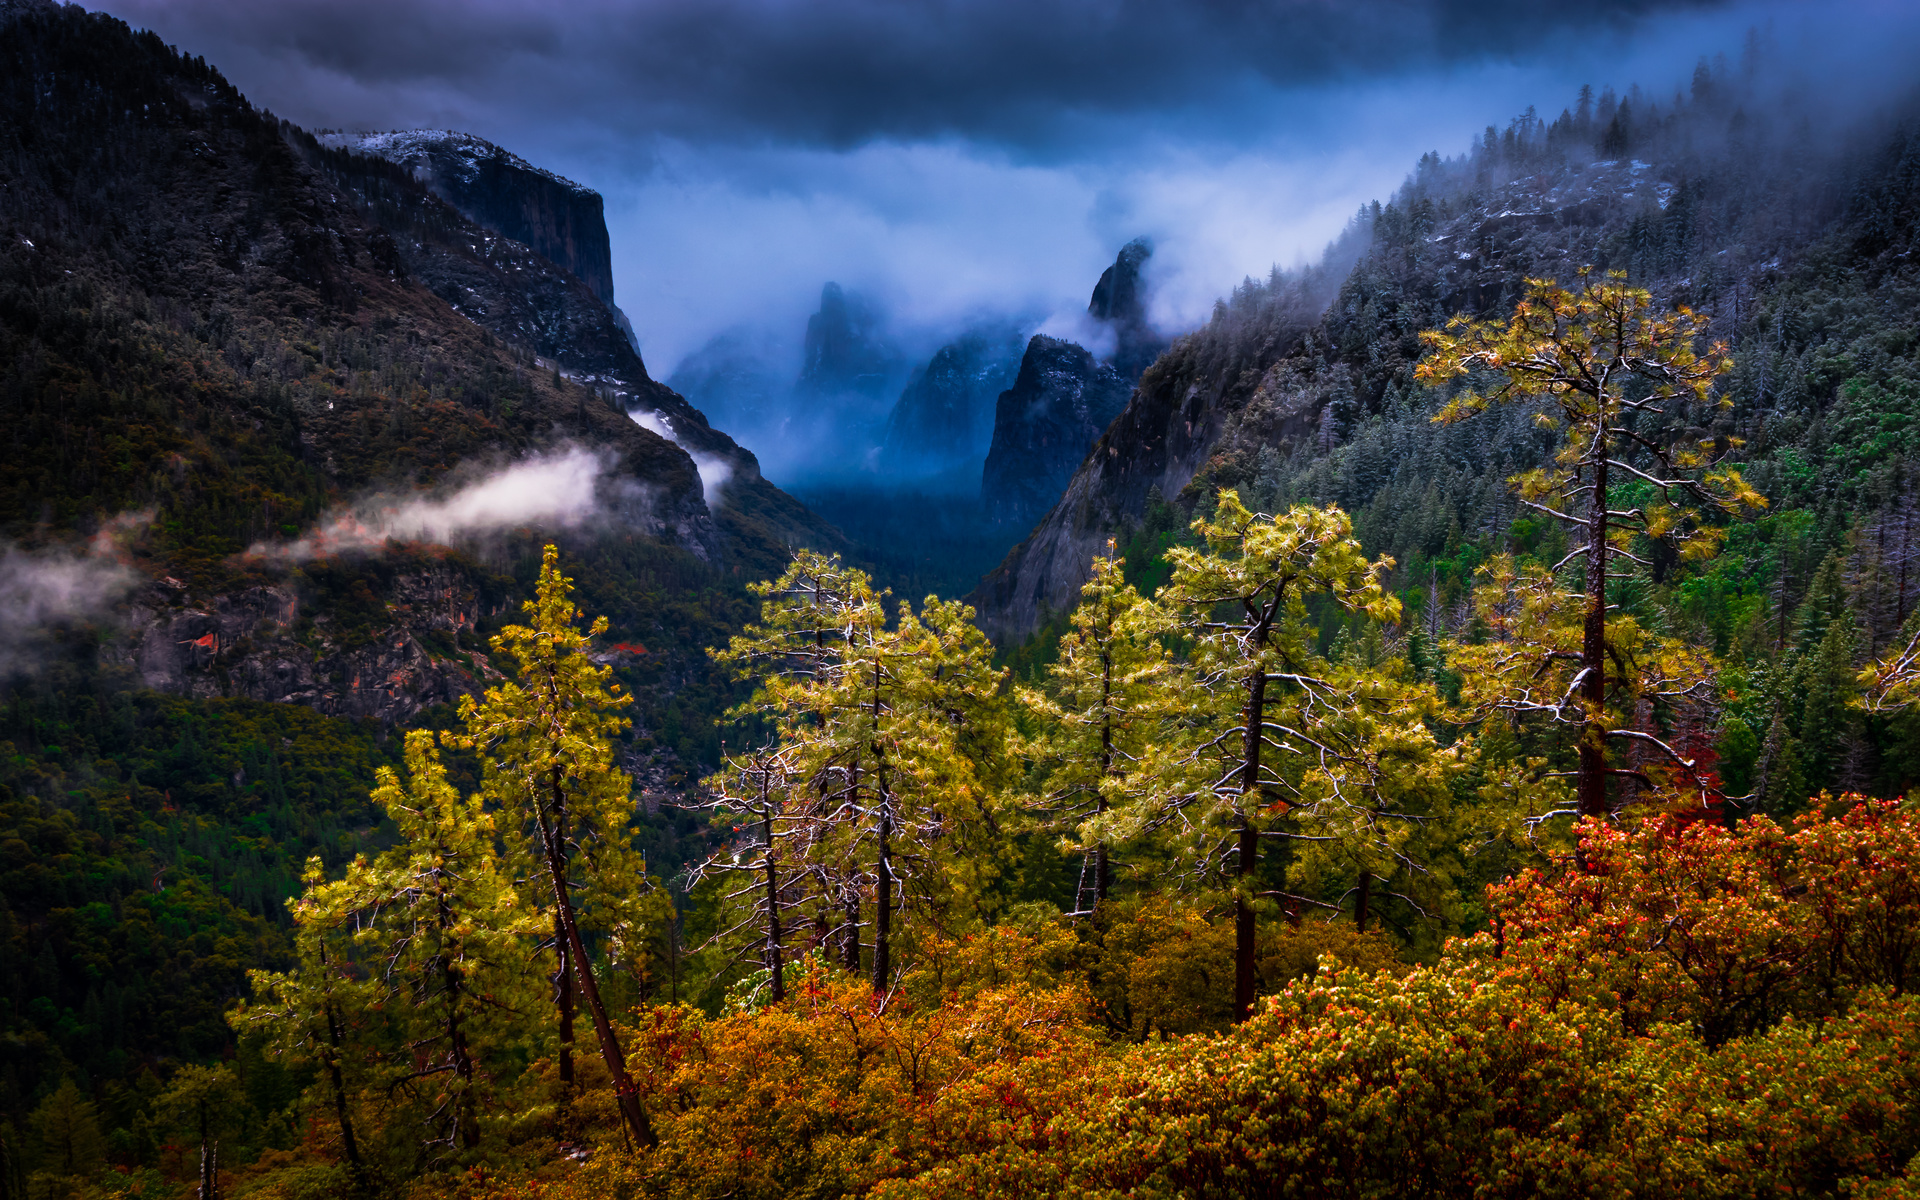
[(714, 472), (43, 588), (558, 490)]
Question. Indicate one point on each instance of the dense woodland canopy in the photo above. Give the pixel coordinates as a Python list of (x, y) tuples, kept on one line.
[(1381, 821)]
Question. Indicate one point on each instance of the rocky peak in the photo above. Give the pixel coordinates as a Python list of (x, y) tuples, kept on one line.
[(1120, 299), (846, 353), (561, 220), (943, 420), (1058, 405)]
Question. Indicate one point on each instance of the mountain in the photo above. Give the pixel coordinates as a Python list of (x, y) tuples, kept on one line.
[(555, 217), (943, 423), (1058, 404), (1301, 388), (847, 353), (734, 379), (1120, 300), (221, 332)]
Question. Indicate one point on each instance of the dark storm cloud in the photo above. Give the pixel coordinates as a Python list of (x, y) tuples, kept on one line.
[(840, 72)]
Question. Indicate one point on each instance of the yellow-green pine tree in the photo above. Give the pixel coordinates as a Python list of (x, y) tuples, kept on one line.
[(545, 739), (1104, 719), (1265, 733), (1623, 383)]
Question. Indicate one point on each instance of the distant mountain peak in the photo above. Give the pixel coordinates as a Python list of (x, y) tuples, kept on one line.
[(1120, 299)]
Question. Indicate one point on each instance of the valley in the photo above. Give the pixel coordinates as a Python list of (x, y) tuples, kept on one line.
[(1007, 752)]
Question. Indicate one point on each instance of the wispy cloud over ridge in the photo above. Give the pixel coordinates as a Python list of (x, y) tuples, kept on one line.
[(45, 587), (557, 490)]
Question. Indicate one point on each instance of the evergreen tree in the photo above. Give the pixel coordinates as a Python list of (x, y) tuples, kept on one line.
[(545, 741), (68, 1127), (203, 1098), (1280, 743), (303, 1013), (892, 728), (437, 919), (1105, 717), (1616, 380)]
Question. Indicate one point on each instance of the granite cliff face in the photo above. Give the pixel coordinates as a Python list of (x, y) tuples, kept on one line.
[(1308, 377), (1120, 299), (284, 643), (1043, 424), (943, 422), (556, 218), (847, 355)]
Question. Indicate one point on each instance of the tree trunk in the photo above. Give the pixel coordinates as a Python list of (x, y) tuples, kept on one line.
[(883, 899), (624, 1091), (466, 1117), (1360, 905), (209, 1169), (563, 997), (773, 910), (1102, 875), (883, 866), (1593, 655), (1249, 850), (209, 1160), (335, 1039), (850, 936)]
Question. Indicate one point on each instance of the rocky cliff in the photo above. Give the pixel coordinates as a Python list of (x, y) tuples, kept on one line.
[(1120, 299), (556, 218), (943, 422), (1058, 404), (847, 353), (1301, 386)]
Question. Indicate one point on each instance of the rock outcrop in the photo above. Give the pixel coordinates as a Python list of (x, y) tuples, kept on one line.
[(1120, 299), (1043, 424), (943, 422), (280, 643), (297, 326), (847, 354), (556, 218)]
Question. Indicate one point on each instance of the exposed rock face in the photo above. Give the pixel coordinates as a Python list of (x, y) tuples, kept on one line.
[(1043, 424), (846, 353), (1156, 444), (527, 300), (556, 218), (1120, 298), (1279, 370), (943, 421), (270, 643)]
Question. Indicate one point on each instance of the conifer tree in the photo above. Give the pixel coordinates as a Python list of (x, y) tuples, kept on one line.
[(1279, 742), (761, 789), (203, 1097), (1105, 717), (890, 726), (437, 918), (545, 741), (304, 1012), (1892, 683), (1619, 381)]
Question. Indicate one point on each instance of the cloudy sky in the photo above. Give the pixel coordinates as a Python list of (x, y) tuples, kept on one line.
[(954, 156)]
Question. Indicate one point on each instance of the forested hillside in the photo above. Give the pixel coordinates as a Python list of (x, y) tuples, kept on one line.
[(225, 345), (1456, 734)]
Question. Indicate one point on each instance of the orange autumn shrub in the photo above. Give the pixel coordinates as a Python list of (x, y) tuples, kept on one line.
[(836, 1090)]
